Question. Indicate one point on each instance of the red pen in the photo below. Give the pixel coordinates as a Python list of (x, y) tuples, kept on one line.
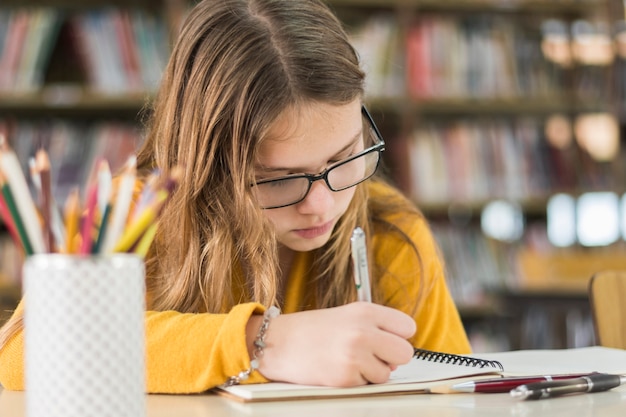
[(495, 385)]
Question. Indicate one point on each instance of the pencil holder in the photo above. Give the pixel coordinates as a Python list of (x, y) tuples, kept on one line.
[(84, 335)]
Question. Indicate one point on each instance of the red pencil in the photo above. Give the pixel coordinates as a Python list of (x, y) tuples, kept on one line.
[(5, 215)]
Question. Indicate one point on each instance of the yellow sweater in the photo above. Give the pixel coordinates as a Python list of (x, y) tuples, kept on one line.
[(187, 353)]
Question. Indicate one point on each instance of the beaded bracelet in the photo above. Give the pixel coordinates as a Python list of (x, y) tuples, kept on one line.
[(259, 345)]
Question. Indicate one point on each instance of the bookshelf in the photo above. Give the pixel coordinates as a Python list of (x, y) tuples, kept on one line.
[(468, 95), (76, 79), (92, 68), (487, 83), (478, 63)]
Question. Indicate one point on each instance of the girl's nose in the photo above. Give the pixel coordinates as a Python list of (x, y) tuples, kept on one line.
[(319, 199)]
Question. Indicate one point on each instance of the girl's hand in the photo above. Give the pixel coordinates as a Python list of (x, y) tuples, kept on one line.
[(342, 346)]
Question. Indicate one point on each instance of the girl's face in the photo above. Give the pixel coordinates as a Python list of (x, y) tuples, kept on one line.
[(306, 140)]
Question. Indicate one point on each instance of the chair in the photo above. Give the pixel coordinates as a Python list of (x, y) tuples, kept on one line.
[(607, 295)]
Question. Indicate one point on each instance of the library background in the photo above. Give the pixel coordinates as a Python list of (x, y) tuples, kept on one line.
[(504, 122)]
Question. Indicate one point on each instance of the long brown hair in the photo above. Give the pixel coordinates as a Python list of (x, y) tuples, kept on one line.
[(236, 66)]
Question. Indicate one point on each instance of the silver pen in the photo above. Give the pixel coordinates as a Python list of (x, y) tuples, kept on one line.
[(361, 268), (595, 382)]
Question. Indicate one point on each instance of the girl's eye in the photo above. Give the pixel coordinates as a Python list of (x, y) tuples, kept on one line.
[(279, 183)]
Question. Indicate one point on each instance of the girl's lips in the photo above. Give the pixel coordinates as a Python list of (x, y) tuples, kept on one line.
[(314, 232)]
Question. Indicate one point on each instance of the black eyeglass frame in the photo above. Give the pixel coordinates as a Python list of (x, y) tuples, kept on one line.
[(379, 147)]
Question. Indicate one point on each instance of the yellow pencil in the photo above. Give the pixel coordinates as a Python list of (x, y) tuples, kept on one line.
[(142, 247), (72, 218), (143, 227), (137, 228)]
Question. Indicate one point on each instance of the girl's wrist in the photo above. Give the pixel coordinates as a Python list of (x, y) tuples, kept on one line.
[(256, 331)]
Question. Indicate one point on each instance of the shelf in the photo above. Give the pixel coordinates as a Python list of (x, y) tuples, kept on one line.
[(533, 207), (84, 4), (488, 106), (74, 101), (507, 6), (530, 206)]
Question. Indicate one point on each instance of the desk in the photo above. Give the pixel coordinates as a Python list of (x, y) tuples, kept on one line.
[(603, 404)]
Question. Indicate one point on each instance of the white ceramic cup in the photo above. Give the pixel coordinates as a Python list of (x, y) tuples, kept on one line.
[(84, 335)]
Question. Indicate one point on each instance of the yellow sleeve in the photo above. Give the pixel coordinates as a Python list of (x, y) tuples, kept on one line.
[(416, 285), (185, 353), (12, 360)]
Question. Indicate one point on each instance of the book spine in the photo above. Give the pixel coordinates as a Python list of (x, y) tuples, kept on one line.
[(14, 46)]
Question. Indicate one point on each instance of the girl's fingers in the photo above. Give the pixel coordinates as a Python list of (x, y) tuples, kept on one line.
[(387, 319)]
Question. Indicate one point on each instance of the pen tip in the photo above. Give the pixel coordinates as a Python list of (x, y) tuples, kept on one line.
[(463, 387)]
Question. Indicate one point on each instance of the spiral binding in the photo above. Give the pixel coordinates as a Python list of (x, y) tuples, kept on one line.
[(450, 358)]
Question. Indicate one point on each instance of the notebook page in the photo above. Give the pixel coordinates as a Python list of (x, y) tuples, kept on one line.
[(560, 361)]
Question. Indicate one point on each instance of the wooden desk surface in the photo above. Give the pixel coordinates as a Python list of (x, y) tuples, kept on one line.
[(605, 404)]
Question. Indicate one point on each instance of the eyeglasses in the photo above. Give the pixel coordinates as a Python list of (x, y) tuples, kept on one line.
[(291, 189)]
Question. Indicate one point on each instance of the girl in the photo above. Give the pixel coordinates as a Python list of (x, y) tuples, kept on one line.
[(262, 105)]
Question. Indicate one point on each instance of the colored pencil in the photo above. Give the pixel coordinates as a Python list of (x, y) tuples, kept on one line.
[(137, 228), (42, 165), (15, 215), (72, 220), (145, 241), (91, 206), (102, 230), (105, 198), (104, 185), (121, 206), (5, 216), (147, 194), (21, 195), (78, 231), (56, 226)]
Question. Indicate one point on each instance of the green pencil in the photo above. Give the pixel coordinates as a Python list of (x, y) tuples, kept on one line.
[(15, 215), (102, 230)]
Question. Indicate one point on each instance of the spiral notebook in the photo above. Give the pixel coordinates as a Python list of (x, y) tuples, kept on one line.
[(426, 370)]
